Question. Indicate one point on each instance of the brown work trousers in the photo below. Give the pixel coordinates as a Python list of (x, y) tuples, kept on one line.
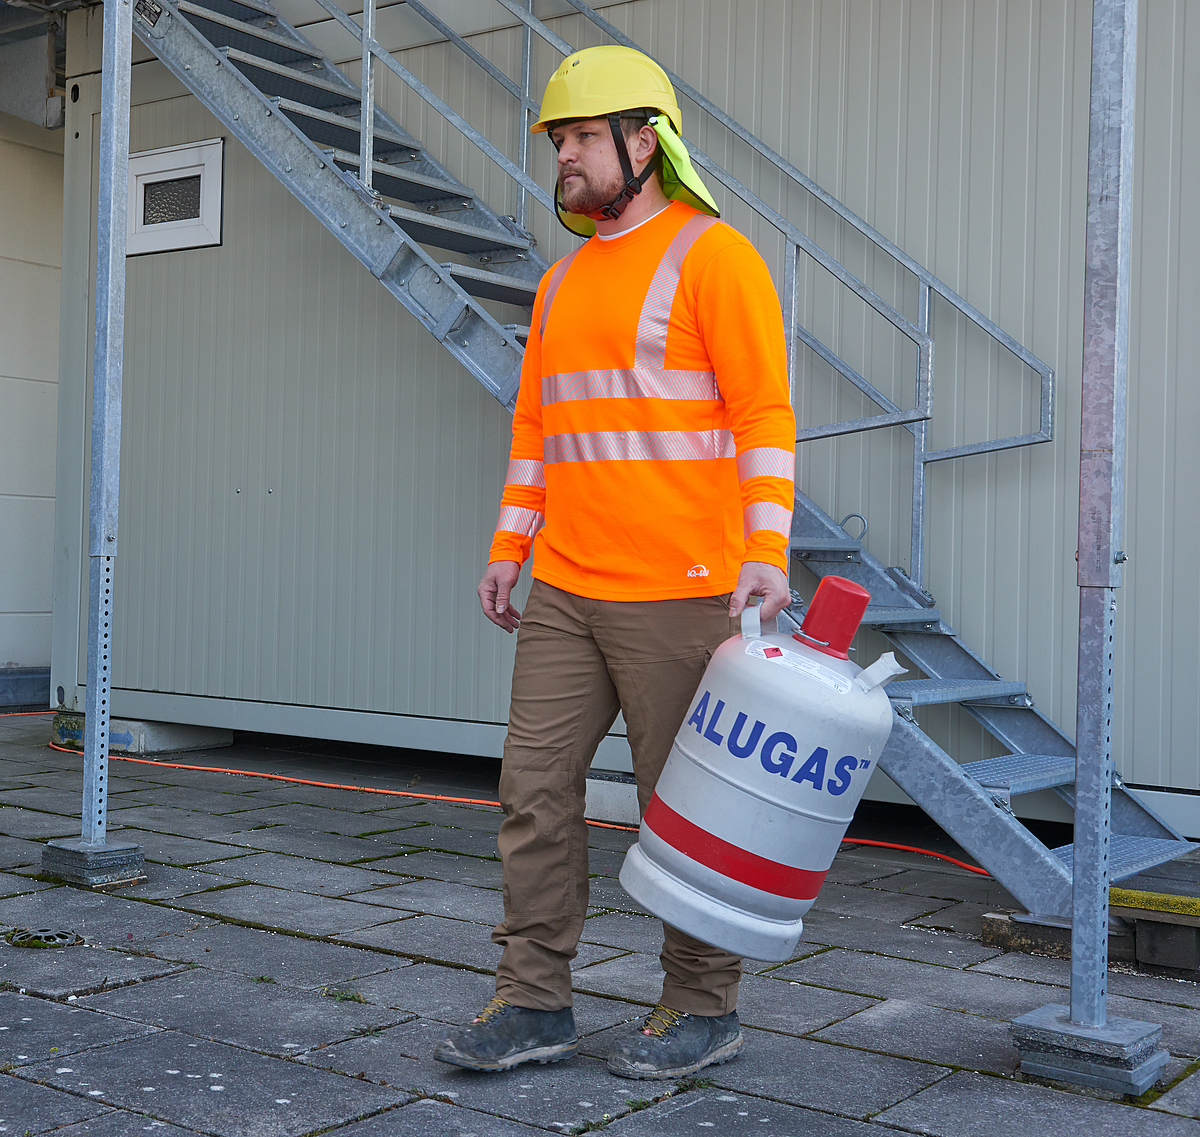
[(578, 662)]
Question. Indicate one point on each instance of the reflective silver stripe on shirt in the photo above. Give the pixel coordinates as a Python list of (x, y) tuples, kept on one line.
[(628, 383), (767, 515), (766, 462), (639, 446), (651, 349), (525, 472), (560, 270), (514, 519)]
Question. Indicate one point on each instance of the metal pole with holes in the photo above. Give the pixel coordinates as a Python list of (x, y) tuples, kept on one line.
[(366, 117), (1083, 1043), (91, 859)]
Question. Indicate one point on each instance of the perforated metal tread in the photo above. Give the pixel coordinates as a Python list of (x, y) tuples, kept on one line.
[(230, 31), (927, 692), (1128, 856), (877, 614), (1022, 773), (494, 286)]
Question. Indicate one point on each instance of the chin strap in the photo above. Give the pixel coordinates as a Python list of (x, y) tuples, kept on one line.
[(633, 182)]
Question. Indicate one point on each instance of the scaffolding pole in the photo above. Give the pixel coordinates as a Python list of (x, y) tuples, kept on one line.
[(91, 859)]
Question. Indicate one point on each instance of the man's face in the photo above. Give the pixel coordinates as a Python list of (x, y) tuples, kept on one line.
[(589, 171)]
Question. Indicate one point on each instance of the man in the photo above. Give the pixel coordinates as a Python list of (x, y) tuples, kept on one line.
[(651, 475)]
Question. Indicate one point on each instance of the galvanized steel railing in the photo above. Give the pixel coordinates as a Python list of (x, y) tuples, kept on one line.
[(914, 419)]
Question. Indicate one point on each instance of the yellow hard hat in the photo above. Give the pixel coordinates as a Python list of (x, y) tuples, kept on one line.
[(598, 80)]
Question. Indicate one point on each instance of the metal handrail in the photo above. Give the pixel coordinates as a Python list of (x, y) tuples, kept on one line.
[(914, 419)]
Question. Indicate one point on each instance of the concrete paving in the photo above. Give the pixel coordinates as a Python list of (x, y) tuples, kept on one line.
[(297, 951)]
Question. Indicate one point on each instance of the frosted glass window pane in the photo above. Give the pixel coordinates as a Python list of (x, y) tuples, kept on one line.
[(173, 200)]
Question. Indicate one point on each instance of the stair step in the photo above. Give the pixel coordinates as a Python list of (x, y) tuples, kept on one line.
[(877, 615), (926, 692), (335, 130), (447, 233), (227, 31), (826, 548), (1022, 773), (490, 285), (405, 182), (1129, 855), (301, 86), (244, 10)]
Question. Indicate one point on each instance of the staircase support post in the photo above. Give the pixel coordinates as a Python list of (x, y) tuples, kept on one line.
[(91, 859), (1081, 1043)]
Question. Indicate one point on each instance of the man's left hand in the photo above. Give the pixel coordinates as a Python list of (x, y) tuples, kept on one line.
[(760, 579)]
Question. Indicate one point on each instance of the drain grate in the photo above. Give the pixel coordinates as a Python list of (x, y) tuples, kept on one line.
[(43, 938)]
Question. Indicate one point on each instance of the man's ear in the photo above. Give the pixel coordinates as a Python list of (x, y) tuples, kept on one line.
[(646, 144)]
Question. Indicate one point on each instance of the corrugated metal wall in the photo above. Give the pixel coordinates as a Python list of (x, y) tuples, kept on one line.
[(959, 130), (31, 167)]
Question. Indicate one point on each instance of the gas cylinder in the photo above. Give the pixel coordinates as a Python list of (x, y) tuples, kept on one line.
[(763, 778)]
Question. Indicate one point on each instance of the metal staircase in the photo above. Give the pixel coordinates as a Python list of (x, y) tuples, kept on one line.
[(972, 802), (300, 116), (382, 195)]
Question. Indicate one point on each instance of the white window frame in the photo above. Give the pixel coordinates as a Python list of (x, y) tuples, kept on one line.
[(148, 166)]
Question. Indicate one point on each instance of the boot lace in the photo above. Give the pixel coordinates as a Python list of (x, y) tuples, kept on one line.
[(496, 1008), (662, 1021)]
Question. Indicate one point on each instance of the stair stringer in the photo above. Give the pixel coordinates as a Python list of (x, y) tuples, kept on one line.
[(985, 828)]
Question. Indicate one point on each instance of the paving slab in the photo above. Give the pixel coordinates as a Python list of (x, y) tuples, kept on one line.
[(65, 799), (845, 870), (33, 1030), (331, 847), (460, 816), (57, 973), (14, 884), (883, 977), (26, 1108), (102, 919), (184, 852), (637, 976), (299, 874), (1181, 1025), (430, 1118), (203, 799), (949, 884), (626, 930), (1183, 1099), (478, 871), (974, 1105), (445, 839), (792, 1008), (802, 1072), (729, 1114), (236, 1009), (292, 961), (214, 1088), (180, 822), (606, 892), (908, 943), (18, 822), (440, 898), (962, 919), (1121, 979), (292, 911), (122, 1123), (871, 903), (909, 1029), (166, 882), (320, 819)]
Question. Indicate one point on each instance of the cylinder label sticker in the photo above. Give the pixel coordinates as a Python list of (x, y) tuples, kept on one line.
[(799, 663)]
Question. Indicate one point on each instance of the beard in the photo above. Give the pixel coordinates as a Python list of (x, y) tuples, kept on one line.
[(586, 195)]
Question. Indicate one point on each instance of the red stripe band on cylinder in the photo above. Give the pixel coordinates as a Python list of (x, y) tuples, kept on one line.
[(720, 856)]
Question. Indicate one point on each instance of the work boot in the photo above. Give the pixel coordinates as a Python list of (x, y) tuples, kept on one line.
[(502, 1036), (670, 1044)]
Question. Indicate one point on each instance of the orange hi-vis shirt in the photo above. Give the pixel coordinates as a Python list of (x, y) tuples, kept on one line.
[(653, 440)]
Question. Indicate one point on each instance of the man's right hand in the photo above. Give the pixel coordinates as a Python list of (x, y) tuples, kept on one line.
[(499, 579)]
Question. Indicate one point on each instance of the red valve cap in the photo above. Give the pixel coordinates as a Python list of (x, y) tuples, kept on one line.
[(834, 615)]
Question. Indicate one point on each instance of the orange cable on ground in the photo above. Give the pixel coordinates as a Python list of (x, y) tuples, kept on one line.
[(466, 800)]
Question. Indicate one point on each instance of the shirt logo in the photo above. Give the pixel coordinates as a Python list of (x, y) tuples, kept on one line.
[(698, 570)]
